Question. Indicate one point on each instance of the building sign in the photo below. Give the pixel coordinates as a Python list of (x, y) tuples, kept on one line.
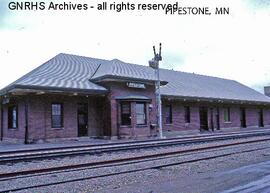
[(135, 85)]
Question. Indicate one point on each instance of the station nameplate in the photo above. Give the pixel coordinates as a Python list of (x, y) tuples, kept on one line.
[(135, 85)]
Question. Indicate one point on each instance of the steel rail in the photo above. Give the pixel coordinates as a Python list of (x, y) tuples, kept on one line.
[(132, 142), (122, 164), (129, 161), (112, 148)]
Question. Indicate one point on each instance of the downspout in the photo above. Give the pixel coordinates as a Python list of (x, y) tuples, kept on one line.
[(26, 122), (2, 118)]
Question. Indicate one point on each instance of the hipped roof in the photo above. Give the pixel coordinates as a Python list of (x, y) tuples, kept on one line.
[(79, 73)]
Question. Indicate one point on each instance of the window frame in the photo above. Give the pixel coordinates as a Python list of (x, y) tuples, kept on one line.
[(169, 106), (61, 116), (11, 118), (187, 114), (227, 115), (144, 113), (121, 113)]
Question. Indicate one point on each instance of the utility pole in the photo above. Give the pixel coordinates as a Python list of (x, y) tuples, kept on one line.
[(154, 63)]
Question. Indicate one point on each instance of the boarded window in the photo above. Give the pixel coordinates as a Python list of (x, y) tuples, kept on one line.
[(140, 113), (13, 117), (57, 115), (125, 113), (227, 115), (187, 114), (168, 114)]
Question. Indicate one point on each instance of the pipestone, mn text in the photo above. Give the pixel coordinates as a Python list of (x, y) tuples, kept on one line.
[(189, 11), (176, 9)]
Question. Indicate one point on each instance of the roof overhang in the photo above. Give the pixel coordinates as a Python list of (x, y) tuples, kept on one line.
[(214, 100), (23, 90), (133, 98), (107, 78)]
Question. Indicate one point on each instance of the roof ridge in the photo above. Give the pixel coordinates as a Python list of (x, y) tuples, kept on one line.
[(192, 73), (77, 55), (116, 59)]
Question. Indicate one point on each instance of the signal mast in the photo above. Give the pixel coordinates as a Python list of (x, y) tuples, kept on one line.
[(154, 63)]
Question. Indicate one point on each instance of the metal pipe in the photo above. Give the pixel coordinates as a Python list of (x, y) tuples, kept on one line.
[(154, 63), (2, 124), (159, 105)]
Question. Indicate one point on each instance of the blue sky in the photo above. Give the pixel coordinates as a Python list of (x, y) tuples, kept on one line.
[(235, 46)]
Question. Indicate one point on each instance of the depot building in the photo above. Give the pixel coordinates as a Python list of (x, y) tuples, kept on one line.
[(73, 96)]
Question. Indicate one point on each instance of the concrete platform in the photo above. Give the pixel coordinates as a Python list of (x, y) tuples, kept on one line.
[(5, 147), (170, 134)]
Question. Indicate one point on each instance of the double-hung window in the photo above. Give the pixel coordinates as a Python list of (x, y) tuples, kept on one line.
[(125, 113), (13, 117), (227, 115), (57, 115), (140, 113)]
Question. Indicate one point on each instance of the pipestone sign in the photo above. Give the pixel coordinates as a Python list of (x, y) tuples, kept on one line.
[(136, 85)]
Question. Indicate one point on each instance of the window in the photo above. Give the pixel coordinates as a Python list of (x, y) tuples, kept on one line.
[(57, 115), (227, 115), (13, 117), (168, 114), (187, 114), (140, 114), (125, 113)]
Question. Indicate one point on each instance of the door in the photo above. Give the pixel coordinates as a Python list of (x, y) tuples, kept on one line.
[(203, 118), (260, 118), (82, 120), (211, 119), (243, 117), (217, 119)]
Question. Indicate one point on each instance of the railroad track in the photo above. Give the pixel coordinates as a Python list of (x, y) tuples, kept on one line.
[(125, 161), (49, 153)]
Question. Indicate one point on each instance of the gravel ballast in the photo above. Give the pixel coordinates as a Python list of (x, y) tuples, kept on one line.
[(126, 181)]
